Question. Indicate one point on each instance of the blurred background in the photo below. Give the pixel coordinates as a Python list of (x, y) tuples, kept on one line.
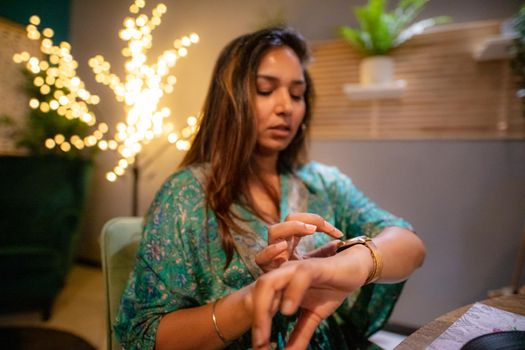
[(464, 192)]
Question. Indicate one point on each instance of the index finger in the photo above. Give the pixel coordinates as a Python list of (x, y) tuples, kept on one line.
[(265, 291), (317, 220)]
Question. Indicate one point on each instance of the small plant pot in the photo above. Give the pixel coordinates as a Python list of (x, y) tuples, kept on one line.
[(376, 70)]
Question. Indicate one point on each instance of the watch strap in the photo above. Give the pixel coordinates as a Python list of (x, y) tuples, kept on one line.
[(377, 268)]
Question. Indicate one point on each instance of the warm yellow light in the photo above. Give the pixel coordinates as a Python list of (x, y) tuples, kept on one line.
[(123, 163), (191, 120), (24, 56), (118, 170), (50, 143), (182, 52), (143, 86), (90, 141), (66, 146), (17, 58), (162, 8), (186, 41), (172, 138), (182, 145), (103, 145), (59, 138), (48, 32), (44, 107), (75, 139), (134, 9), (63, 100), (43, 65), (79, 144), (45, 89), (54, 104), (186, 132), (172, 80), (111, 176), (38, 81), (103, 127), (194, 38), (34, 103), (35, 20), (112, 144), (50, 80)]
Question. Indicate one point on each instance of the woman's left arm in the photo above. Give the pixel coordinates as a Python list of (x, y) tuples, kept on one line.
[(402, 252), (319, 285)]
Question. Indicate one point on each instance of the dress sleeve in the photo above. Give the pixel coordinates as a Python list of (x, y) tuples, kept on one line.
[(355, 213), (162, 280)]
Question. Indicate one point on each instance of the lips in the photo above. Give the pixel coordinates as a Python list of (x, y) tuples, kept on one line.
[(281, 130), (283, 127)]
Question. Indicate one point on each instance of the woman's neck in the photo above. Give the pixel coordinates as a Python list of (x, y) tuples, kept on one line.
[(265, 188), (267, 164)]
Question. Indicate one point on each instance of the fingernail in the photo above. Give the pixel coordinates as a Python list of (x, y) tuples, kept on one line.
[(332, 227), (310, 228), (287, 307), (281, 245)]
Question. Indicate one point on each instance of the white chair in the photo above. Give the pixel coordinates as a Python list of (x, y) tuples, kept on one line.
[(120, 238)]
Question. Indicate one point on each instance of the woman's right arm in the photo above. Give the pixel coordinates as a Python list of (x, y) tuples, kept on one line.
[(193, 328)]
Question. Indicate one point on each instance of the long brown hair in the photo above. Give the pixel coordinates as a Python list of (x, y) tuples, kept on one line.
[(227, 138)]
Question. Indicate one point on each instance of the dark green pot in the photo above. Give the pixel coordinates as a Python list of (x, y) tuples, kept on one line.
[(42, 200)]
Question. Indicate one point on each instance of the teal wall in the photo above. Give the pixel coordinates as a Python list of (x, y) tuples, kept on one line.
[(54, 14)]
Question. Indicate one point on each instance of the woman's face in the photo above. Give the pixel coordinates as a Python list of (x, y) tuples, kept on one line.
[(279, 100)]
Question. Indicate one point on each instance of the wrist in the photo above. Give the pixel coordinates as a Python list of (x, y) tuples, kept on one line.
[(377, 260), (352, 267), (231, 316)]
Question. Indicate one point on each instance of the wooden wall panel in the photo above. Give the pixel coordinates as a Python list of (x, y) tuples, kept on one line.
[(448, 95)]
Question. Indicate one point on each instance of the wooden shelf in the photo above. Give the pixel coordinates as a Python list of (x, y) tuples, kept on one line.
[(494, 48), (375, 91)]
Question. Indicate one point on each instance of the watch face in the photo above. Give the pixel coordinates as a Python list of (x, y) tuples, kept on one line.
[(351, 242)]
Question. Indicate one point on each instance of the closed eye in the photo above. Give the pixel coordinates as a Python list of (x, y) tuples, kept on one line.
[(264, 92)]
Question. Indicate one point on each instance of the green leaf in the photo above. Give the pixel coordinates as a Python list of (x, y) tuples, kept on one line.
[(380, 31)]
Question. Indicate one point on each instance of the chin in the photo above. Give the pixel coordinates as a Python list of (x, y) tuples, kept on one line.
[(273, 147)]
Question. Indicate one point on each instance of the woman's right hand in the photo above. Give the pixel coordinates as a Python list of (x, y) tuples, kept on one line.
[(316, 286), (283, 238)]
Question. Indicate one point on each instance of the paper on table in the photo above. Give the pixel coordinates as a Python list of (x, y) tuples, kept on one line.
[(478, 320)]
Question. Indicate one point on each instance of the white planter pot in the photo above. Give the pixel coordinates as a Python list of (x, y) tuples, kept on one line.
[(376, 70)]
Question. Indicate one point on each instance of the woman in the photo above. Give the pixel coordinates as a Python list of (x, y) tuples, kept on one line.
[(231, 238)]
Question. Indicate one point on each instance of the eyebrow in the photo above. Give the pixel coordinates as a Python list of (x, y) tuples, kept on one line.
[(276, 80)]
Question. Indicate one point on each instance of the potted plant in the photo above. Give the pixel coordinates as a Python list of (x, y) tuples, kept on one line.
[(43, 191), (381, 31)]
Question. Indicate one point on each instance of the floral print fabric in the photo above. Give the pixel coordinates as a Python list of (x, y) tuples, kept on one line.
[(180, 259)]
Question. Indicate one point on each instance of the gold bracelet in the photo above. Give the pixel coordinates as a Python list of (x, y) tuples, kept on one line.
[(217, 330), (377, 267)]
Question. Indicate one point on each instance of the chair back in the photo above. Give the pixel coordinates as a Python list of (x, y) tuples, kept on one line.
[(120, 239)]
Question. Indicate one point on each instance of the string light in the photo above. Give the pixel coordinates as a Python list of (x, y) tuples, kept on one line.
[(63, 91), (143, 86)]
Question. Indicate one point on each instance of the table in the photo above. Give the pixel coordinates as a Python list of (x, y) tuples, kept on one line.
[(425, 335)]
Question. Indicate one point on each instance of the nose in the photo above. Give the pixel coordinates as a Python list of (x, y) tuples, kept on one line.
[(284, 102)]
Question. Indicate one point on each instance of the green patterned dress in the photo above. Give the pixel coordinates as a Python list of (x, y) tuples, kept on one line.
[(180, 260)]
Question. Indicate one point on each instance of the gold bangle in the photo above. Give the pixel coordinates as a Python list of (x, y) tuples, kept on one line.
[(377, 267), (217, 330)]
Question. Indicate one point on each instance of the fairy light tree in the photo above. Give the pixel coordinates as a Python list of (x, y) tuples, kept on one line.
[(143, 87), (62, 94), (60, 119), (141, 90)]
